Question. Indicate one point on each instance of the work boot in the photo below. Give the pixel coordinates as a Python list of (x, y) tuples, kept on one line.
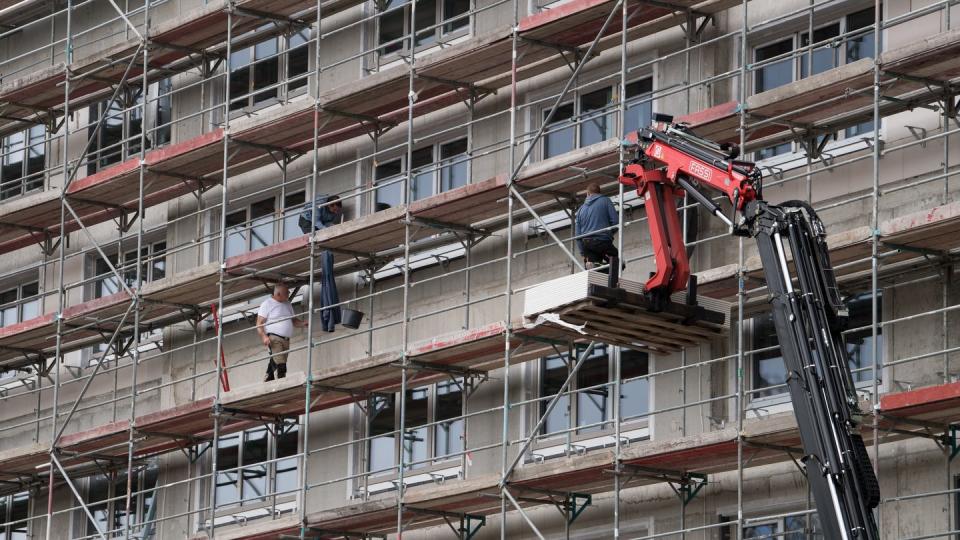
[(281, 371), (270, 368)]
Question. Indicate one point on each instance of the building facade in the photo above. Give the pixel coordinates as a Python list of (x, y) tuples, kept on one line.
[(157, 160)]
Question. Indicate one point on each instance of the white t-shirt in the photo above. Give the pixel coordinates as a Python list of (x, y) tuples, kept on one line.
[(273, 311)]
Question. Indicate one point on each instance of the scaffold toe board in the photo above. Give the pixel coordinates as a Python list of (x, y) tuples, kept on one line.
[(582, 304), (922, 407)]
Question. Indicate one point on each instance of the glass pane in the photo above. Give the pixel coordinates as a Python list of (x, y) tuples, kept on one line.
[(417, 414), (108, 283), (593, 404), (261, 224), (824, 57), (552, 377), (236, 233), (266, 72), (769, 369), (634, 395), (228, 458), (382, 447), (240, 59), (426, 19), (423, 177), (19, 513), (453, 8), (778, 73), (119, 517), (292, 206), (771, 151), (449, 435), (35, 156), (134, 125), (453, 173), (639, 107), (391, 28), (148, 493), (809, 524), (558, 137), (767, 530), (12, 170), (239, 88), (254, 476), (859, 343), (98, 490), (111, 136), (164, 104), (861, 45), (860, 129), (596, 120), (287, 479), (159, 263), (298, 59), (387, 175), (31, 304)]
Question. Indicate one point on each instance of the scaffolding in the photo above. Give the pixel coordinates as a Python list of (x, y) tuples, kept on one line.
[(97, 199)]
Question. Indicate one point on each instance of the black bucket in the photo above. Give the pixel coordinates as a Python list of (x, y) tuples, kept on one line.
[(350, 318)]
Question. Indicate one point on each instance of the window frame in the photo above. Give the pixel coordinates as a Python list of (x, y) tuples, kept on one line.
[(29, 181), (280, 218), (573, 429), (282, 88), (435, 167), (115, 507), (154, 255), (579, 117), (7, 517), (22, 299), (400, 46), (798, 61), (781, 396), (273, 460), (99, 156), (433, 460)]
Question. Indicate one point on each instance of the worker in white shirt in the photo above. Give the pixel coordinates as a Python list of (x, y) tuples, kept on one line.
[(275, 324)]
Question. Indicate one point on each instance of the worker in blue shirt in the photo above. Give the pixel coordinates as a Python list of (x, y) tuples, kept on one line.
[(594, 232), (325, 210)]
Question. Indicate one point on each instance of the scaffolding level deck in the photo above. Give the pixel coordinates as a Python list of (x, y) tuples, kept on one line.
[(378, 101), (770, 439), (914, 236), (465, 353), (916, 74), (356, 244)]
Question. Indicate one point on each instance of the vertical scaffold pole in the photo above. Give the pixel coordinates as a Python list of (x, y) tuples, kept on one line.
[(312, 192), (508, 300), (741, 275), (405, 323), (135, 360), (875, 241), (222, 252), (617, 370), (61, 291)]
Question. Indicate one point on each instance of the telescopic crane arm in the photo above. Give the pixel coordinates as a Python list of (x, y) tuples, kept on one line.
[(808, 312)]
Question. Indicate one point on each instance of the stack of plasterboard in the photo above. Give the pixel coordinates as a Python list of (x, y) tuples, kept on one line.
[(583, 304)]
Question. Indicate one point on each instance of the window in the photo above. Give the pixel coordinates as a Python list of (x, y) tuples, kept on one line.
[(106, 499), (23, 162), (14, 512), (435, 168), (441, 403), (804, 527), (769, 372), (596, 112), (831, 52), (589, 407), (257, 464), (153, 266), (19, 303), (119, 135), (436, 20), (256, 71)]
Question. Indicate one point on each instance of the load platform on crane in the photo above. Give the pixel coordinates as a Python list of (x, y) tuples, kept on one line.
[(584, 304)]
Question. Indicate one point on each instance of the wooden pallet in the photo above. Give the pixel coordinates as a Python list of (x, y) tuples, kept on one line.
[(625, 316)]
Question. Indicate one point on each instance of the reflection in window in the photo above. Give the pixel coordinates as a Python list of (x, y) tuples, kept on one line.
[(23, 162), (435, 19), (558, 138), (434, 169), (19, 303), (256, 464), (596, 120)]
